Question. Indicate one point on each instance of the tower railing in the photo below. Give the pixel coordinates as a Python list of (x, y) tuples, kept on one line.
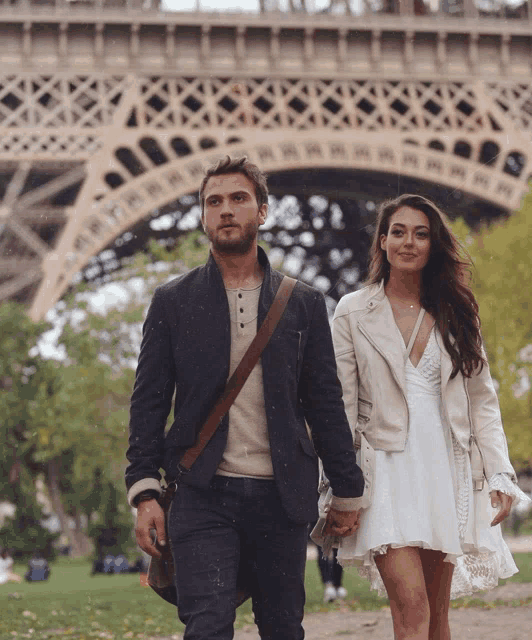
[(143, 6)]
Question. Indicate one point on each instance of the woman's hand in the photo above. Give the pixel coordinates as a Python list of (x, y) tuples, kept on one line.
[(499, 499)]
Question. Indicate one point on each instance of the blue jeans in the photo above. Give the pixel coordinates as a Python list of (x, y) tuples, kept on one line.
[(238, 524)]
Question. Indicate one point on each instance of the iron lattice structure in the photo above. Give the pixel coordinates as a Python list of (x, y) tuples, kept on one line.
[(108, 118)]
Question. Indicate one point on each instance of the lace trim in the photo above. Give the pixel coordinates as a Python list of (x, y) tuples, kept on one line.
[(475, 570), (430, 364), (502, 482), (461, 460), (479, 571)]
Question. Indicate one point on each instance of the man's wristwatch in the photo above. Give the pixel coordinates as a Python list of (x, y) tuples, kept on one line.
[(148, 494)]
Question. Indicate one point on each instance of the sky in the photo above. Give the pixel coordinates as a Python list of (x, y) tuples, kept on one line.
[(253, 5), (212, 5), (230, 5)]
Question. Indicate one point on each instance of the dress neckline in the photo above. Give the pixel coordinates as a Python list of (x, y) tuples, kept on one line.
[(402, 340), (416, 367)]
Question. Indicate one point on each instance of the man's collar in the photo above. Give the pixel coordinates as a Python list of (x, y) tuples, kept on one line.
[(264, 262)]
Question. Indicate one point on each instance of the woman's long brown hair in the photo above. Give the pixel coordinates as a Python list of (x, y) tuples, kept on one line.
[(445, 293)]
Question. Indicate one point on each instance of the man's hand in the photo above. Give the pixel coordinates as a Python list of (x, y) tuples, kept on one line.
[(150, 516), (499, 499), (341, 523)]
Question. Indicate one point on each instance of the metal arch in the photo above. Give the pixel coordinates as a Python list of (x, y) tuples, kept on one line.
[(103, 220)]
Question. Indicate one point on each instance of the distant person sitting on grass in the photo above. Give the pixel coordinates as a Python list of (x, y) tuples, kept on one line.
[(6, 568), (38, 569)]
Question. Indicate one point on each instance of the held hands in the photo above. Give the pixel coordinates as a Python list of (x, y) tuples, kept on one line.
[(341, 523), (499, 499), (150, 516)]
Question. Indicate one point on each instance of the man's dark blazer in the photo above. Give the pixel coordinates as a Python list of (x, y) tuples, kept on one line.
[(186, 349)]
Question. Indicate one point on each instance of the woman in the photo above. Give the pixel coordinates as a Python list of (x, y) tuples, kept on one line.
[(425, 408)]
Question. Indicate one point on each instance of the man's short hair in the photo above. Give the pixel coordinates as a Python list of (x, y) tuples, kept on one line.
[(238, 165)]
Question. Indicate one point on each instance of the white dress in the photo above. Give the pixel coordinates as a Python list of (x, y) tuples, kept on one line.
[(423, 496)]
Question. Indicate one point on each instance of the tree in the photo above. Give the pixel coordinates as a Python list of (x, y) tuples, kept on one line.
[(501, 256), (23, 533), (61, 421), (78, 415)]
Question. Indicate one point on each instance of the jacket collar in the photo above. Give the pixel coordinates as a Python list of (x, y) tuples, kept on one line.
[(214, 274), (377, 296), (270, 284), (380, 328)]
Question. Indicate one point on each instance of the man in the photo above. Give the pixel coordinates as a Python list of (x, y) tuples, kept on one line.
[(246, 503)]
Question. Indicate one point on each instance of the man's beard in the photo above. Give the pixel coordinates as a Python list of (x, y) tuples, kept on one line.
[(234, 246)]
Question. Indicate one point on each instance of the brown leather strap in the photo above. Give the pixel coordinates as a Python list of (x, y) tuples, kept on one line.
[(241, 373)]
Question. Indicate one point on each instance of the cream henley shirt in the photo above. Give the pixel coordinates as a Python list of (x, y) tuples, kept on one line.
[(247, 452)]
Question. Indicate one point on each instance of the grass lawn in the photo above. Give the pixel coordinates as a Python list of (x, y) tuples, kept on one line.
[(73, 604)]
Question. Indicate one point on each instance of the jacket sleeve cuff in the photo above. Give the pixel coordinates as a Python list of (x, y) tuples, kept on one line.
[(143, 485), (347, 504)]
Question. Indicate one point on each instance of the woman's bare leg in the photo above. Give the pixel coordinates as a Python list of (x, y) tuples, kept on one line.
[(438, 577), (402, 573)]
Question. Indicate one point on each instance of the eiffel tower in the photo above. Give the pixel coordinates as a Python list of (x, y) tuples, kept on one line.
[(110, 109)]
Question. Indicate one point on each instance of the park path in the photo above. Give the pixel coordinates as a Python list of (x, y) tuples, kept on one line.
[(519, 544), (500, 623)]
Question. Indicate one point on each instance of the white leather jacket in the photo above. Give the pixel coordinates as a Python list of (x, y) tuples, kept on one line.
[(371, 369)]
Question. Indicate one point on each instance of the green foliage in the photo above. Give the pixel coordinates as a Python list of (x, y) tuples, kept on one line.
[(501, 256), (187, 251), (71, 414), (192, 250), (18, 337), (24, 534)]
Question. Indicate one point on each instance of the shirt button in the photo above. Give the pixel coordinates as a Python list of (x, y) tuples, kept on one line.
[(241, 325), (241, 310), (239, 295)]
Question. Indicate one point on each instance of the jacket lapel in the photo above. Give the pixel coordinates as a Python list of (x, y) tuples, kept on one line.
[(269, 287), (379, 327)]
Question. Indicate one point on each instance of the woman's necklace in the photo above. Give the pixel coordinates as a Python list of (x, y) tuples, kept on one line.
[(400, 305)]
